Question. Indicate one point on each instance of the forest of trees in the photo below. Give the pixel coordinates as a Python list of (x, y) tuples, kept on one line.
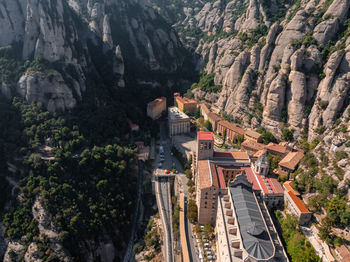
[(87, 187)]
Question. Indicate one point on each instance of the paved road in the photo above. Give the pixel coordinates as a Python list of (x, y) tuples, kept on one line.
[(129, 252), (165, 207), (168, 163)]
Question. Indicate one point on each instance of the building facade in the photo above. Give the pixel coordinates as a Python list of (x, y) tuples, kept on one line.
[(204, 111), (296, 206), (231, 130), (205, 145), (252, 147), (214, 119), (184, 104), (156, 108), (241, 230), (290, 162), (178, 122), (252, 135)]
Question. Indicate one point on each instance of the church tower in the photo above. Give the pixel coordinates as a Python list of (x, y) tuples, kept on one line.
[(262, 164)]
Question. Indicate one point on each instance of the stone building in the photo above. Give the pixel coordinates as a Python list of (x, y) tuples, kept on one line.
[(252, 135), (290, 162), (205, 145), (232, 130), (184, 104), (156, 108), (296, 206), (243, 226), (204, 111), (178, 122), (214, 120)]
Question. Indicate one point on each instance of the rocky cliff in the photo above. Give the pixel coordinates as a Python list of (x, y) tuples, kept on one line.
[(281, 65), (106, 40), (289, 57)]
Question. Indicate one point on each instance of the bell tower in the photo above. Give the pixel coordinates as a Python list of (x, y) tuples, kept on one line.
[(205, 145), (262, 164)]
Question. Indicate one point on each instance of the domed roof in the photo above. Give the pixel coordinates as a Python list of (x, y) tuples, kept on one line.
[(256, 229)]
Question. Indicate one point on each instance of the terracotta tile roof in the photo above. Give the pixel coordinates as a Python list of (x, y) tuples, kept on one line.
[(205, 108), (259, 153), (209, 176), (204, 179), (205, 136), (234, 155), (217, 177), (344, 253), (156, 102), (214, 117), (253, 134), (275, 185), (283, 143), (298, 202), (232, 126), (276, 148), (251, 177), (263, 185), (254, 146), (291, 160), (288, 186)]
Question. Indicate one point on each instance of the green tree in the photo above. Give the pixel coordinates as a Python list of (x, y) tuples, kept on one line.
[(287, 134), (325, 229), (197, 113), (192, 211), (208, 125), (266, 136), (208, 231)]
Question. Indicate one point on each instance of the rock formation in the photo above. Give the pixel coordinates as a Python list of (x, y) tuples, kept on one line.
[(80, 37)]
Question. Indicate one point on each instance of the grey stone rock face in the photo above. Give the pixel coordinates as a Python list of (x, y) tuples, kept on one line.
[(51, 90), (65, 32), (294, 79)]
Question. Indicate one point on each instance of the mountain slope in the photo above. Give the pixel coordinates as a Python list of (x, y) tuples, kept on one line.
[(288, 66), (108, 42)]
